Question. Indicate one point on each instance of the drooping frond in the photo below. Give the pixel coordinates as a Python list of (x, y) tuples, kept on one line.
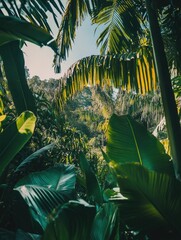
[(33, 11), (13, 28), (75, 12), (132, 71), (123, 27)]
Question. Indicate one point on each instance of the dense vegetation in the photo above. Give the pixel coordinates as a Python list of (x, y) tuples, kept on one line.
[(82, 157)]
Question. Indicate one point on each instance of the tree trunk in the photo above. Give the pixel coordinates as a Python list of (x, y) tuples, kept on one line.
[(168, 99)]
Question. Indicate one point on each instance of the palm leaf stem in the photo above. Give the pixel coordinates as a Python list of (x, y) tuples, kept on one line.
[(169, 104)]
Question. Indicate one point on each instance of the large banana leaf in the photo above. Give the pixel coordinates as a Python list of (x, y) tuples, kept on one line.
[(76, 221), (128, 141), (14, 137), (73, 222), (12, 28), (13, 61), (153, 199), (40, 193)]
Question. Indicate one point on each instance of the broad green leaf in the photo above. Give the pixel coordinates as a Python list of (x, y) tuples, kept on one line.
[(12, 28), (14, 137), (128, 141), (61, 177), (32, 158), (153, 199), (93, 187), (73, 222), (105, 225), (40, 193), (13, 62)]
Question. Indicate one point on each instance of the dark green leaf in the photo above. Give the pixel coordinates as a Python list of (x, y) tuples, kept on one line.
[(61, 177), (73, 221), (13, 28), (153, 199), (21, 235), (13, 62), (40, 193)]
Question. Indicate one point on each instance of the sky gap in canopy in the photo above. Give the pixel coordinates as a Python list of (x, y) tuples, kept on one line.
[(39, 60)]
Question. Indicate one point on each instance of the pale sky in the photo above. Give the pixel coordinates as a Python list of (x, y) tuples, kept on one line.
[(39, 61)]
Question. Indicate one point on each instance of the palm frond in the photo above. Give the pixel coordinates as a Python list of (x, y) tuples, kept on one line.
[(75, 12), (122, 24), (33, 11), (131, 71)]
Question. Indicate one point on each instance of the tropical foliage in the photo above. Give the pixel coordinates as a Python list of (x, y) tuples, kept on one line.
[(57, 169), (112, 15), (140, 177)]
